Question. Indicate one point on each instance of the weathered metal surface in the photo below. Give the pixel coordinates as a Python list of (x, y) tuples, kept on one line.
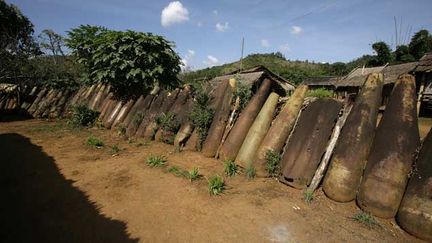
[(133, 110), (123, 112), (308, 142), (349, 158), (217, 128), (183, 134), (105, 105), (168, 102), (59, 108), (53, 103), (151, 113), (415, 212), (109, 108), (192, 142), (96, 98), (109, 119), (257, 132), (138, 116), (280, 129), (39, 97), (391, 156), (44, 103), (235, 138)]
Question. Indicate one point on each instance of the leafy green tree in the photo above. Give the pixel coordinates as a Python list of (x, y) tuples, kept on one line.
[(132, 62), (421, 42), (51, 42), (383, 52), (17, 44), (403, 55)]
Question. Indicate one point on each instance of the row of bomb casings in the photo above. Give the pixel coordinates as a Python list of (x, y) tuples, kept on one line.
[(370, 164)]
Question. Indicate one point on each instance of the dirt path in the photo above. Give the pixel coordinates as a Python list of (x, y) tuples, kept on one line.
[(58, 188)]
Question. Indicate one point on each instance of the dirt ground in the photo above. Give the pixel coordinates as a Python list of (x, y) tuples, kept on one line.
[(56, 188)]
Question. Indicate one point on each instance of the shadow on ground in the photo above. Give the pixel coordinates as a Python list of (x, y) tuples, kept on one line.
[(39, 205), (13, 115)]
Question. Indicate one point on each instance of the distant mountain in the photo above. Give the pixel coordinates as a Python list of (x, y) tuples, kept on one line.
[(294, 71)]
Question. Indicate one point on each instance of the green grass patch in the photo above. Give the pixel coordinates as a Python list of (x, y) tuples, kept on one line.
[(319, 93), (308, 196), (156, 161), (95, 142), (230, 168), (365, 219), (83, 116), (273, 163), (250, 172), (194, 174), (216, 185)]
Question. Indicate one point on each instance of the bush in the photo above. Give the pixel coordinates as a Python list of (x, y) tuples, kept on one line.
[(216, 185), (244, 93), (250, 172), (167, 122), (320, 93), (156, 161), (201, 115), (273, 163), (83, 116), (231, 169), (95, 142)]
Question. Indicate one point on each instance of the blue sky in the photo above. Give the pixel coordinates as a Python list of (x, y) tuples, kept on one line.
[(210, 32)]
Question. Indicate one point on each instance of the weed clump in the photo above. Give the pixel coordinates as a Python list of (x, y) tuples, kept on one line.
[(230, 168), (308, 196), (273, 163), (167, 122), (156, 161), (250, 172), (319, 93), (243, 92), (194, 174), (201, 116), (216, 185), (115, 149), (95, 142), (138, 118), (83, 116), (365, 218)]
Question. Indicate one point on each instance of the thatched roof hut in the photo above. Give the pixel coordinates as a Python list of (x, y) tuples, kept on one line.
[(425, 63)]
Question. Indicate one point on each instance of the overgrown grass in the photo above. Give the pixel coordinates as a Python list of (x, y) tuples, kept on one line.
[(83, 116), (365, 219), (308, 196), (216, 185), (230, 168), (250, 172), (273, 163), (320, 93), (156, 161), (95, 142), (167, 122), (201, 115), (192, 175)]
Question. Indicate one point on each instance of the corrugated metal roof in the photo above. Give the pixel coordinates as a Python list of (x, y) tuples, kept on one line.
[(357, 77)]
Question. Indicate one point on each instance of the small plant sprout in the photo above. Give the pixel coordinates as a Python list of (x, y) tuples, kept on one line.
[(194, 174), (115, 149), (250, 172), (156, 161), (121, 130), (308, 196), (272, 163), (95, 142), (216, 185), (231, 169), (365, 218)]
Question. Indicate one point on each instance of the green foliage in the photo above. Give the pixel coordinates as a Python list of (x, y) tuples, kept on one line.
[(383, 52), (156, 161), (216, 185), (243, 92), (138, 118), (308, 196), (83, 116), (95, 142), (319, 93), (194, 174), (230, 168), (420, 44), (132, 62), (250, 172), (201, 115), (115, 149), (121, 130), (167, 122), (273, 163), (402, 54), (365, 219)]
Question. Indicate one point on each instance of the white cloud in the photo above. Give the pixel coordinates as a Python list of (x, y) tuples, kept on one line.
[(222, 27), (211, 61), (185, 62), (174, 13), (296, 30), (190, 54), (265, 43), (215, 12), (284, 48)]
